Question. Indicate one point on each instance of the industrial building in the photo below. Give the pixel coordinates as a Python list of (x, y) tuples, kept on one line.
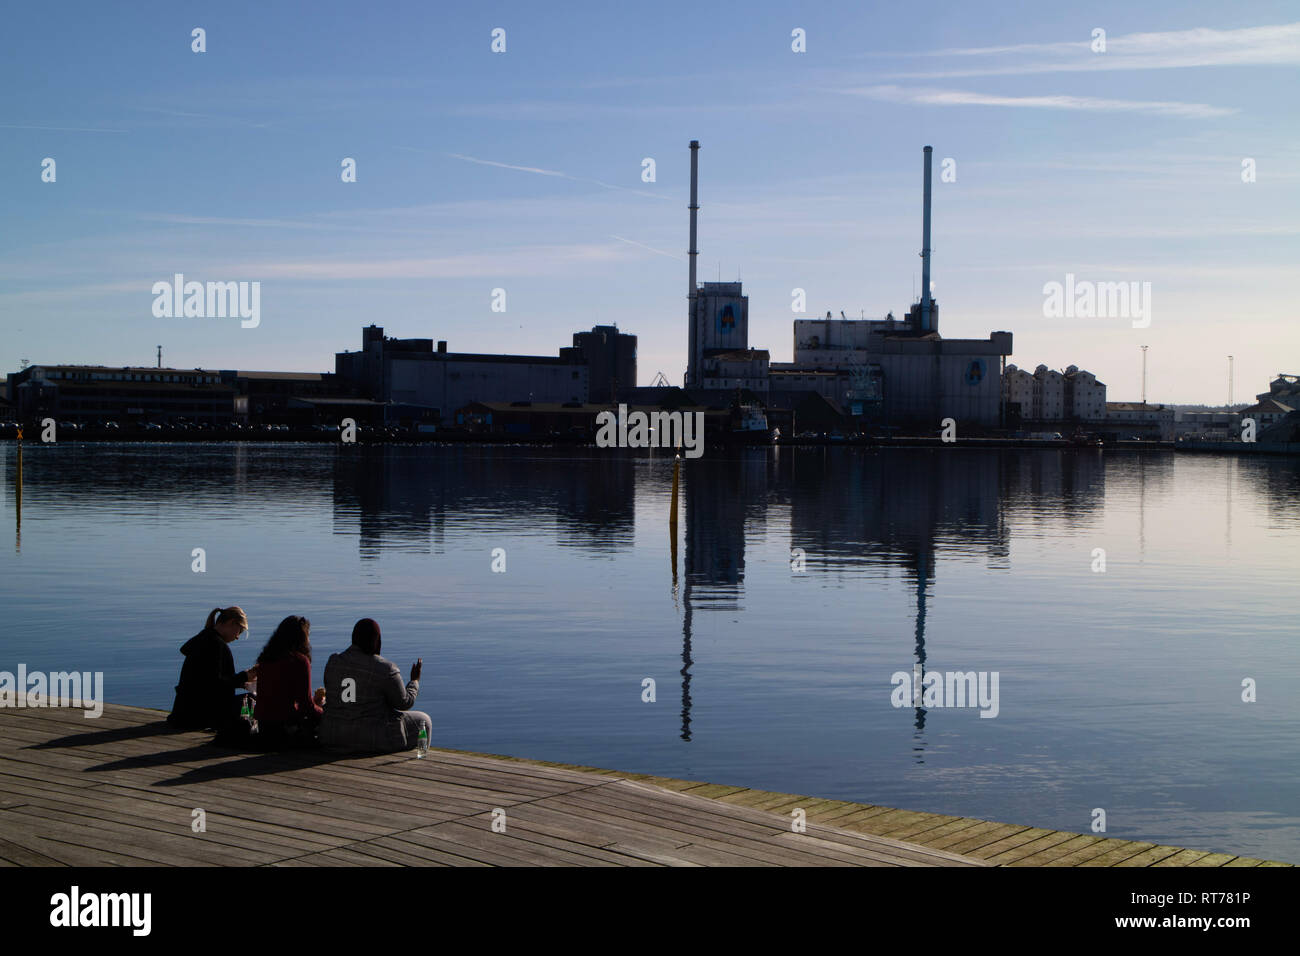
[(1211, 426), (421, 382), (131, 395), (85, 394), (1125, 420), (1048, 398), (901, 372), (611, 361), (1266, 411)]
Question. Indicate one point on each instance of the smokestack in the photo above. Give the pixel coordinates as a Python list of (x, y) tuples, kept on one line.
[(692, 360), (927, 321)]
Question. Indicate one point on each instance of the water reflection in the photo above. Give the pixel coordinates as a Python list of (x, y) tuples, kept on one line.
[(402, 497), (913, 559)]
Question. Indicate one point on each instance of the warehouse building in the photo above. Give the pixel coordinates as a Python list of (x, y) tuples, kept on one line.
[(433, 383)]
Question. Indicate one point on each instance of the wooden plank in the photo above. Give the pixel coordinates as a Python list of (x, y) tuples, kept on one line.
[(19, 855), (1014, 851), (972, 838), (1053, 855), (117, 791), (1182, 858), (1118, 853), (1148, 857), (739, 837)]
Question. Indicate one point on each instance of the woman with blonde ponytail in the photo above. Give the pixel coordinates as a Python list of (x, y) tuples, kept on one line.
[(205, 696)]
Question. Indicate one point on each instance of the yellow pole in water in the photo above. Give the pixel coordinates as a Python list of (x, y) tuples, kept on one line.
[(18, 530), (672, 517)]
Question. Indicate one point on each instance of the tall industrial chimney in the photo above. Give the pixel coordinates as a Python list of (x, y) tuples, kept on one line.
[(692, 358), (927, 321)]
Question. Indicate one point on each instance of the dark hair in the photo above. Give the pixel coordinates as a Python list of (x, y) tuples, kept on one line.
[(290, 636), (365, 636)]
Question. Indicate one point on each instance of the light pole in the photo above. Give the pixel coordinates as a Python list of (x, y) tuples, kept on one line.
[(1144, 374), (1229, 383)]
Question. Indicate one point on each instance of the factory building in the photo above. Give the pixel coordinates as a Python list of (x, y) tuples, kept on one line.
[(903, 372), (89, 394), (1085, 397), (1018, 393), (1127, 420), (1266, 412), (1048, 397), (611, 361), (420, 382), (1284, 389), (1210, 426)]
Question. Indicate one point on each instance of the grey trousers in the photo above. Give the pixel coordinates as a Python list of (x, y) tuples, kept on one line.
[(412, 721)]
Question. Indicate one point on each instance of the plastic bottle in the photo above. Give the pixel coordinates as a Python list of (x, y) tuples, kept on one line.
[(422, 743)]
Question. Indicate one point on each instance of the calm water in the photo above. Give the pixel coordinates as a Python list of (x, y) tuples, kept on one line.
[(1119, 690)]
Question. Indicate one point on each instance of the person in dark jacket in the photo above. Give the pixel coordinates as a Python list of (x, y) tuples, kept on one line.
[(287, 713), (205, 696)]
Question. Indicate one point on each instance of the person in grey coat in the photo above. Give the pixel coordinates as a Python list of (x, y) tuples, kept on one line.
[(367, 707)]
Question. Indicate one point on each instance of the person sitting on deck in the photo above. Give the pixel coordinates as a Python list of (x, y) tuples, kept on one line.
[(205, 696), (365, 699), (286, 713)]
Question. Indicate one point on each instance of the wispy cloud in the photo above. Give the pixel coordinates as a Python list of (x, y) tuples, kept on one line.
[(185, 114), (521, 261), (1277, 45), (184, 220), (936, 97), (551, 172), (642, 245), (66, 129)]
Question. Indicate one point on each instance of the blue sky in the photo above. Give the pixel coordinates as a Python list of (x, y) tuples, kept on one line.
[(522, 171)]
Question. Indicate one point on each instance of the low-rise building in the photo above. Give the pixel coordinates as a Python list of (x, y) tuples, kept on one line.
[(1128, 420), (1266, 412), (87, 394), (412, 373), (1211, 426)]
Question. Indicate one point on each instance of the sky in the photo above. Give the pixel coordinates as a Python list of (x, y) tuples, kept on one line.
[(524, 171)]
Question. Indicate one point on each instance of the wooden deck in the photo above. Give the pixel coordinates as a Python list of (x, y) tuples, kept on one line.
[(122, 790)]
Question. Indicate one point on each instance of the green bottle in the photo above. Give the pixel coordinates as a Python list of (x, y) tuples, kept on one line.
[(422, 743)]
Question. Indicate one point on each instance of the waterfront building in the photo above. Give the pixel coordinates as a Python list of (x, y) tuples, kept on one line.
[(1266, 412), (1284, 389), (1050, 398), (901, 371), (434, 383), (1217, 426), (1125, 420), (86, 394), (1048, 404), (1018, 393), (1085, 397), (283, 397), (611, 361)]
